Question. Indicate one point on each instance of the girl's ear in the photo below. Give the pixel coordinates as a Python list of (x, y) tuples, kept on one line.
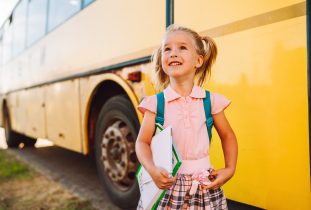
[(199, 61)]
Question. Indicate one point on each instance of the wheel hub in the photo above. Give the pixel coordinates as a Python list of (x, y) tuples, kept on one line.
[(118, 154), (115, 154)]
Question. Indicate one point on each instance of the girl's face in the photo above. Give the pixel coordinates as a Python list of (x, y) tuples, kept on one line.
[(179, 57)]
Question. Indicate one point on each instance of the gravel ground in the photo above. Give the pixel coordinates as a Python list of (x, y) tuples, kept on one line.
[(72, 170)]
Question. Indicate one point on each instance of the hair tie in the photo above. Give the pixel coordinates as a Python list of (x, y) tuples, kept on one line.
[(205, 45)]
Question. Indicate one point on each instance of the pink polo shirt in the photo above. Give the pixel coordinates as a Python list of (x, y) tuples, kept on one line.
[(187, 117)]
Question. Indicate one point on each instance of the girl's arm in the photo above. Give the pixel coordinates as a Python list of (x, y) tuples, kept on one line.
[(160, 176), (230, 150)]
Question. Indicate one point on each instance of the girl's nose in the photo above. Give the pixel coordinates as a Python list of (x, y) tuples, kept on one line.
[(173, 53)]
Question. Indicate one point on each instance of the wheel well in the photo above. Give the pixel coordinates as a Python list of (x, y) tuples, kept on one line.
[(3, 109), (103, 92)]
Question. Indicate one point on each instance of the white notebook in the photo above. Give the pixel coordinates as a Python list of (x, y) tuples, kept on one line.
[(164, 155)]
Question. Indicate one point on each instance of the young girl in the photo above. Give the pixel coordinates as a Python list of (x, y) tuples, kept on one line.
[(183, 59)]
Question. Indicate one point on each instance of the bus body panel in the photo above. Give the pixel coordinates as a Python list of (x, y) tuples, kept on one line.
[(17, 111), (63, 114), (263, 70), (34, 102), (18, 73), (270, 109), (217, 13)]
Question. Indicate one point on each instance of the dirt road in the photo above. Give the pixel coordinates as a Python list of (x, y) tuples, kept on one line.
[(74, 171)]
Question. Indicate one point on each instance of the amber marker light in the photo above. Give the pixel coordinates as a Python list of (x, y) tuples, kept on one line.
[(134, 76)]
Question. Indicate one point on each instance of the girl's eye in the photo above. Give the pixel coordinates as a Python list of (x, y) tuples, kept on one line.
[(167, 49), (183, 48)]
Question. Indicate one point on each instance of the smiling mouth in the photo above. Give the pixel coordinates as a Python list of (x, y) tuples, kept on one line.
[(174, 63)]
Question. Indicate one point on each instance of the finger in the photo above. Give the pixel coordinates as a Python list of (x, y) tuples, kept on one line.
[(169, 185), (165, 173), (216, 187), (170, 181), (203, 187), (212, 184), (172, 178), (163, 186), (214, 173)]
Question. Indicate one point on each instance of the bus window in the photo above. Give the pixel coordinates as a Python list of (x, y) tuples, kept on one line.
[(87, 2), (1, 48), (7, 40), (19, 27), (36, 25), (61, 10)]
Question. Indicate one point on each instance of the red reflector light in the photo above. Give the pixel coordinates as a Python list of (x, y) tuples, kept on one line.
[(134, 76)]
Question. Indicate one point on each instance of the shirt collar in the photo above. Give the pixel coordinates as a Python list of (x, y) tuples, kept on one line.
[(170, 94)]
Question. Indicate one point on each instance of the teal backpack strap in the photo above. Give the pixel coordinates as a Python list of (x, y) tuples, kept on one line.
[(208, 113), (160, 108)]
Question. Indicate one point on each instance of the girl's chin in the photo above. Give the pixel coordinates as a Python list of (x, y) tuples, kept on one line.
[(174, 69), (174, 72), (176, 75)]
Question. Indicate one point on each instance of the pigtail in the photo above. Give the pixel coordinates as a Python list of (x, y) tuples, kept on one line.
[(160, 80), (209, 53)]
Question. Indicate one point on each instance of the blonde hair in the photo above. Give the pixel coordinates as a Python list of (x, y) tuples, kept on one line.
[(204, 46)]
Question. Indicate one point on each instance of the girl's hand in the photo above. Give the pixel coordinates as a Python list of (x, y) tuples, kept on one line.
[(162, 178), (221, 177)]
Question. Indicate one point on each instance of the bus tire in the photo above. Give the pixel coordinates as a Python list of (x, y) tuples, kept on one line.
[(13, 139), (115, 135), (28, 141)]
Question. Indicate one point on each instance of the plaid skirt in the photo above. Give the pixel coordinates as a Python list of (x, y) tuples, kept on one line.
[(177, 197)]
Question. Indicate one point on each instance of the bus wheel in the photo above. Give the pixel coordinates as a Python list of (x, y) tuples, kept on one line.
[(28, 141), (116, 131), (13, 139)]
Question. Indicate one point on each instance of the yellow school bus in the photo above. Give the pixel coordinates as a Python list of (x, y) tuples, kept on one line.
[(74, 71)]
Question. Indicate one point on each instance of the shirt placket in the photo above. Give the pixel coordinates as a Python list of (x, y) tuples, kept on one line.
[(186, 114), (187, 124)]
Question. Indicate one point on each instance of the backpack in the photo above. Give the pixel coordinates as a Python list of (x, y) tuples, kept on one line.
[(207, 109)]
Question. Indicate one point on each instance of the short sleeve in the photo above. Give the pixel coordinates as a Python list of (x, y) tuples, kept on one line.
[(148, 103), (219, 103)]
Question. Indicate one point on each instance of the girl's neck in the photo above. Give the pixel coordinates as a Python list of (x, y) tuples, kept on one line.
[(182, 88)]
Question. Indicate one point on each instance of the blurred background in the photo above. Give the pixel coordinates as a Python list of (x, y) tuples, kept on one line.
[(6, 9)]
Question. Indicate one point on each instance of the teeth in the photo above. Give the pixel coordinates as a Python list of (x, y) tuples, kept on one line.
[(175, 64)]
